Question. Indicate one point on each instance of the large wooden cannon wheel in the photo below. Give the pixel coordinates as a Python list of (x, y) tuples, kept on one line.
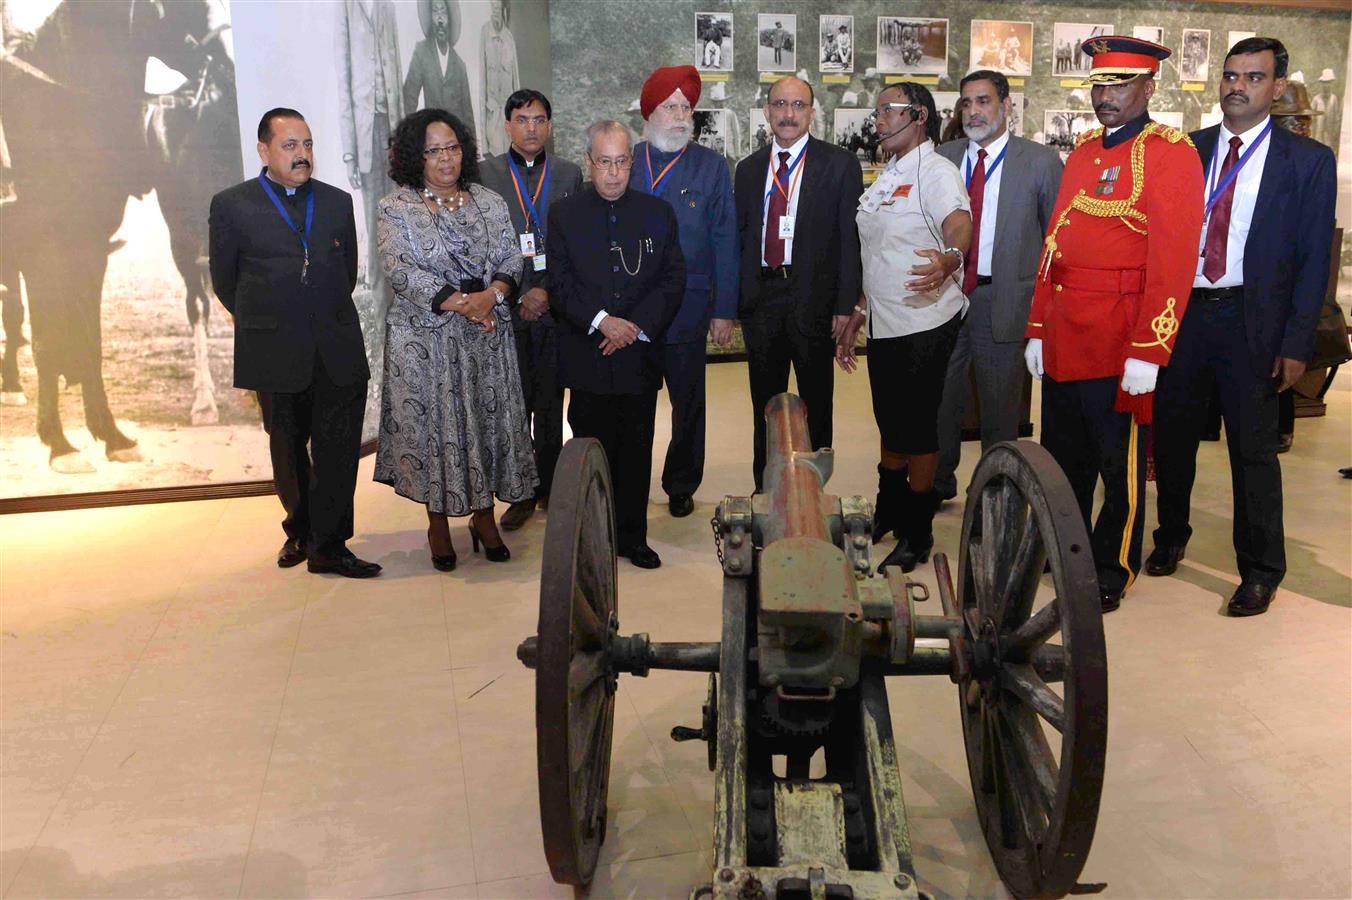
[(575, 682), (1037, 807)]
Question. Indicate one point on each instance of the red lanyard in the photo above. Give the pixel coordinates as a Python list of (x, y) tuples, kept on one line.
[(526, 213), (653, 183)]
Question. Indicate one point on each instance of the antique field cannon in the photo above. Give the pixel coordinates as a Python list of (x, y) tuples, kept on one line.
[(809, 634)]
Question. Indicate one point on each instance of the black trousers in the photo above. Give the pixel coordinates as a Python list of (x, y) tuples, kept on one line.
[(683, 371), (623, 423), (315, 483), (1211, 350), (1089, 440), (538, 359), (773, 343)]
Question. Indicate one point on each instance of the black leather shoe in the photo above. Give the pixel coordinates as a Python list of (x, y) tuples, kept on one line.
[(1163, 560), (1284, 442), (346, 565), (1109, 600), (1346, 471), (641, 555), (1250, 599), (291, 554), (946, 493), (681, 505), (517, 514)]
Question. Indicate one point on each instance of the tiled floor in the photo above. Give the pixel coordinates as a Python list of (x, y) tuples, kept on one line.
[(181, 718)]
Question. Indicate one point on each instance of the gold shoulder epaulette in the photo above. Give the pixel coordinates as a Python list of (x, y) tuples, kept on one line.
[(1169, 133), (1089, 135)]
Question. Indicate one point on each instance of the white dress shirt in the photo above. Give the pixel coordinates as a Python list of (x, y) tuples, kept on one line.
[(990, 197), (793, 187), (902, 212), (1241, 208)]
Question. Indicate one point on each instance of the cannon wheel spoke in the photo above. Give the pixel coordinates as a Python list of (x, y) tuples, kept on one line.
[(1037, 799), (574, 678)]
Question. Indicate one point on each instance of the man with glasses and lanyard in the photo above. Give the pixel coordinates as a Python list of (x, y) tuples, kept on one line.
[(695, 181), (531, 180), (800, 266)]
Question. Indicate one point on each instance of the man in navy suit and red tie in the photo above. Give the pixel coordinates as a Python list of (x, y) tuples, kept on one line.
[(1249, 328)]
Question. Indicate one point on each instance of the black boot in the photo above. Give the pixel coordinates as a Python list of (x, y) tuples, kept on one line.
[(888, 511), (917, 531)]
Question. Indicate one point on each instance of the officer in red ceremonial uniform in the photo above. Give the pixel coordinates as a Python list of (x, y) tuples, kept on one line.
[(1114, 280)]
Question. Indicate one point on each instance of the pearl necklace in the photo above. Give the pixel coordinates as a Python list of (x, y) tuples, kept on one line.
[(457, 203)]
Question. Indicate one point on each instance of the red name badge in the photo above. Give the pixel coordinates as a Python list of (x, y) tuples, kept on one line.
[(903, 191)]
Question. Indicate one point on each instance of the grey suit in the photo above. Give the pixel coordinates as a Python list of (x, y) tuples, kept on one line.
[(991, 340)]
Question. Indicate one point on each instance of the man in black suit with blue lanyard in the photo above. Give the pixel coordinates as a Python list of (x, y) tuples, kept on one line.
[(283, 250), (1249, 327)]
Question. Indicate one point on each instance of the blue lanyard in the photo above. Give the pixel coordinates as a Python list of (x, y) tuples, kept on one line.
[(989, 172), (1219, 188), (775, 181), (527, 200), (309, 220)]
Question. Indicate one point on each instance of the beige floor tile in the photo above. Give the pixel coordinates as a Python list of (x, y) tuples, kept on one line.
[(364, 794), (158, 807), (635, 877)]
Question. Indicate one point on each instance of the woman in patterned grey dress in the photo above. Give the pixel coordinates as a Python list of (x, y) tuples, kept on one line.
[(453, 430)]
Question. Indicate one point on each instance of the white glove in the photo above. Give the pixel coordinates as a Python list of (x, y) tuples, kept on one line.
[(1138, 377), (1032, 355)]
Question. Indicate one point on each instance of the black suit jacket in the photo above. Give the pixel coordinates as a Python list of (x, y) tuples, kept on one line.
[(280, 324), (826, 267), (586, 276), (1286, 255)]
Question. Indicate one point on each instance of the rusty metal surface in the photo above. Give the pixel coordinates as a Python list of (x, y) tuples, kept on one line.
[(574, 682), (733, 732), (1037, 807)]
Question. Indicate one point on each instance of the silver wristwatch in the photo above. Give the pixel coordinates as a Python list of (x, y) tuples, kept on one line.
[(499, 296), (956, 252)]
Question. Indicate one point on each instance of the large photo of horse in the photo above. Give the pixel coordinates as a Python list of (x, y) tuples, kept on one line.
[(121, 119)]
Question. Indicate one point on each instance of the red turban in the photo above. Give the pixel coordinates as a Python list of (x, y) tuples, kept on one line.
[(663, 82)]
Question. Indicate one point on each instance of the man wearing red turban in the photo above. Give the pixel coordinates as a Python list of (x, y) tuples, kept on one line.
[(695, 181)]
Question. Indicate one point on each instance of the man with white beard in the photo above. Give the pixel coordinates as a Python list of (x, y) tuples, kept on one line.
[(1017, 180), (695, 181)]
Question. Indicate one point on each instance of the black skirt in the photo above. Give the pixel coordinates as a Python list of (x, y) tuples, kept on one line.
[(906, 379)]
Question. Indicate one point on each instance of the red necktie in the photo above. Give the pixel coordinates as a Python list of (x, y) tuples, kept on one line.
[(779, 205), (977, 191), (1218, 229)]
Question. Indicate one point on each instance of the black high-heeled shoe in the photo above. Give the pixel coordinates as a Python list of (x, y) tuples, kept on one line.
[(500, 553), (441, 563)]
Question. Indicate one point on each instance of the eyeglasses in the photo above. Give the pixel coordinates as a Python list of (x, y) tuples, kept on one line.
[(795, 105), (448, 150), (537, 121), (618, 164), (673, 109), (885, 108)]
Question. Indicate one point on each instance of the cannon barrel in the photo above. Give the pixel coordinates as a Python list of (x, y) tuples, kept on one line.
[(794, 474)]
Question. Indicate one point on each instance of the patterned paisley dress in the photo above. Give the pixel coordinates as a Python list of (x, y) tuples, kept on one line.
[(453, 429)]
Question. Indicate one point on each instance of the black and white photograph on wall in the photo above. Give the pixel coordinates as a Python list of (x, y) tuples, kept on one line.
[(713, 41), (1060, 127), (758, 130), (1172, 119), (776, 42), (1152, 33), (118, 358), (1194, 60), (1003, 46), (719, 130), (1234, 37), (853, 130), (835, 44), (1068, 57), (947, 102), (912, 46)]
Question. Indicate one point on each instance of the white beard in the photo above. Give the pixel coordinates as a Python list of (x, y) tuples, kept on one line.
[(977, 135), (668, 140)]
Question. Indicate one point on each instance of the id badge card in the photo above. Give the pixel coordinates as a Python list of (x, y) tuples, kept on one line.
[(538, 262), (786, 227), (527, 243)]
